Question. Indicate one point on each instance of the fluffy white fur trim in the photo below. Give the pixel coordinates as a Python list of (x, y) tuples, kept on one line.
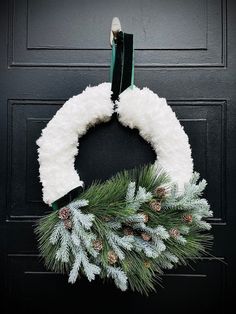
[(158, 125), (137, 108), (58, 144)]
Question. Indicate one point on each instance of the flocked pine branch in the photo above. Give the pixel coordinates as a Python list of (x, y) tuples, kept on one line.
[(118, 275), (158, 231), (118, 243), (191, 202), (73, 249), (79, 241), (141, 197), (148, 248)]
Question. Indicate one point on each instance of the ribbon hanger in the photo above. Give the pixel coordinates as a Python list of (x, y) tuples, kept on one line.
[(122, 63)]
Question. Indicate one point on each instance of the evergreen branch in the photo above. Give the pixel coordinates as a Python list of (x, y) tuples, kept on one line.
[(104, 210)]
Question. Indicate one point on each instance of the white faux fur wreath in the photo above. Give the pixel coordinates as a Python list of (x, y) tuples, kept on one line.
[(137, 108)]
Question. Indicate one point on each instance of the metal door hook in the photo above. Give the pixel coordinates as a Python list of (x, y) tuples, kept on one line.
[(115, 29)]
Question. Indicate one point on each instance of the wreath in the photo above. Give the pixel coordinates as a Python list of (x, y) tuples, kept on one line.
[(138, 223)]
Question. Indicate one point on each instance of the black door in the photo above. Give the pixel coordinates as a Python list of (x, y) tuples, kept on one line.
[(51, 50)]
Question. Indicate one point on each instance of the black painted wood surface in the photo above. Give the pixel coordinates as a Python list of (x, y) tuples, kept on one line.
[(51, 50)]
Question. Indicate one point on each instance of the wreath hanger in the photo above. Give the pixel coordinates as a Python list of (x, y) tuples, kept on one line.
[(122, 63), (115, 29)]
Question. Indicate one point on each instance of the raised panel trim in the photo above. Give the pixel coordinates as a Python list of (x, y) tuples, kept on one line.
[(185, 275), (11, 104), (222, 103), (26, 162), (220, 259), (222, 220), (12, 63), (29, 47)]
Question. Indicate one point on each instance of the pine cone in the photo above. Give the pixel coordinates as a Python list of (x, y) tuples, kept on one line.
[(97, 245), (155, 205), (107, 218), (67, 223), (112, 257), (174, 233), (145, 236), (128, 231), (147, 264), (64, 213), (160, 192), (145, 217), (188, 218)]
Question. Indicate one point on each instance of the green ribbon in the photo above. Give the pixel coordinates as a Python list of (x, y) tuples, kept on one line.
[(113, 58), (55, 206)]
